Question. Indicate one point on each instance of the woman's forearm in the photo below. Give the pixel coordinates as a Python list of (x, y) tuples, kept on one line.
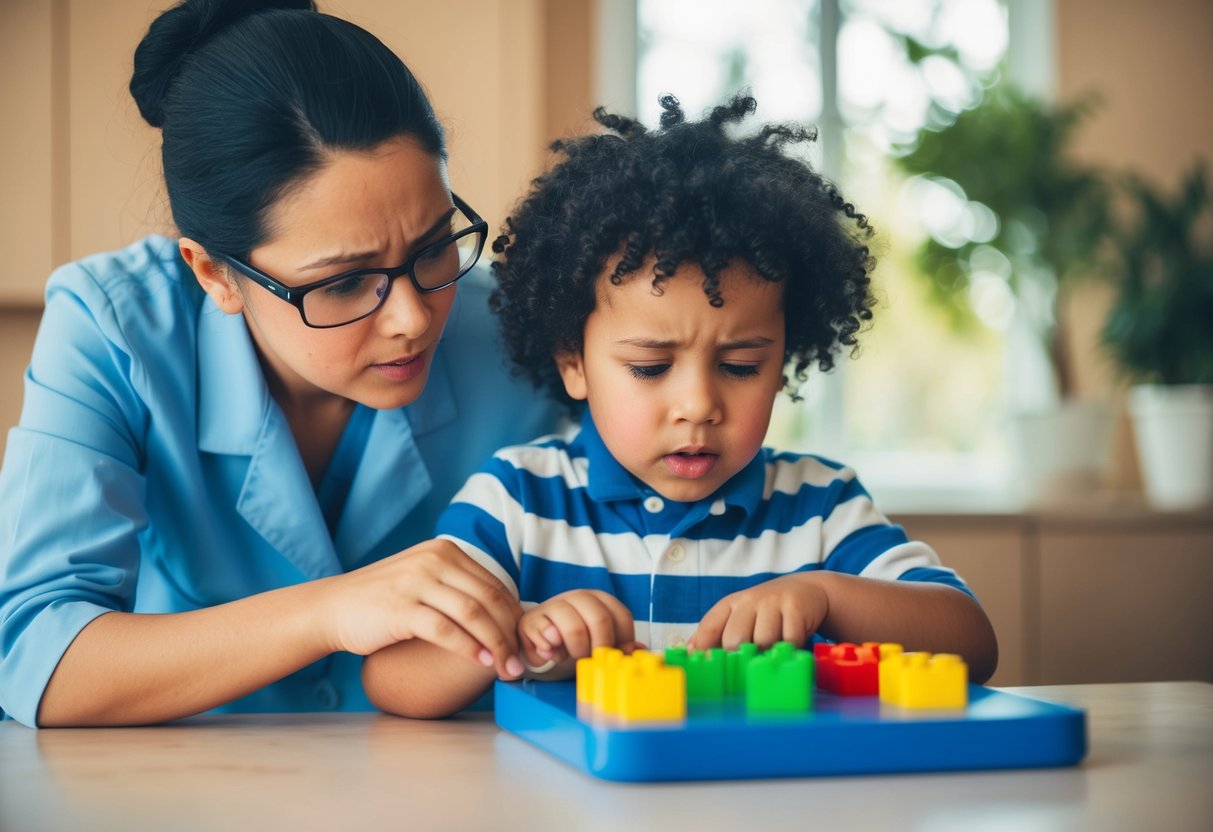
[(133, 669), (421, 680), (918, 615)]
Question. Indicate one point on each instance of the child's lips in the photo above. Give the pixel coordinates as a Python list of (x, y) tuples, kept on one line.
[(691, 464)]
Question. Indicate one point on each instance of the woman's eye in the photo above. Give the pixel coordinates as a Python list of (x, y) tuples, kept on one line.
[(344, 287), (647, 371), (740, 370)]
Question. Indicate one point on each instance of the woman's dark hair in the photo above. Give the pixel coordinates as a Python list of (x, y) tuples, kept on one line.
[(252, 94), (689, 192)]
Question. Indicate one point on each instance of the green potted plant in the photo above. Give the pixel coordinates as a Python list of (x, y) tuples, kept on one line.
[(1160, 333), (1009, 158)]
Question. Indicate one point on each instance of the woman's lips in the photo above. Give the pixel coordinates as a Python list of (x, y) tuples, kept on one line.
[(690, 466), (404, 369)]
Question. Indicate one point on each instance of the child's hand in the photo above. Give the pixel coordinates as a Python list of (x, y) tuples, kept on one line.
[(571, 624), (784, 609)]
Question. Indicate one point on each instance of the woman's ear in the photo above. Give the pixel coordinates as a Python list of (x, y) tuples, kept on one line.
[(572, 372), (212, 275)]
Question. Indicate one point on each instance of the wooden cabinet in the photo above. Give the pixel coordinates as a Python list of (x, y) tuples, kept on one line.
[(1115, 595)]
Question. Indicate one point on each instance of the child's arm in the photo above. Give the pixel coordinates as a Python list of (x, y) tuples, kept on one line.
[(919, 615), (569, 626), (418, 678)]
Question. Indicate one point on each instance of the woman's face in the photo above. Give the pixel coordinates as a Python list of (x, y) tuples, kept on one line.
[(363, 209)]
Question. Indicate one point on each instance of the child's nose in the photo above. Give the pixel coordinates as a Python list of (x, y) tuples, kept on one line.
[(698, 402)]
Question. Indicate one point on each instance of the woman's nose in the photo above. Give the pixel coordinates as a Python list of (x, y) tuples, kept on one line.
[(404, 311)]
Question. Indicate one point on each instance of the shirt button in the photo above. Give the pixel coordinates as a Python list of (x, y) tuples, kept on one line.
[(717, 508), (327, 696), (677, 554), (653, 504)]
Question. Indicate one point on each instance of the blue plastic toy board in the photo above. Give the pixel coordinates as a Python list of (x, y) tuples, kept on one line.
[(842, 735)]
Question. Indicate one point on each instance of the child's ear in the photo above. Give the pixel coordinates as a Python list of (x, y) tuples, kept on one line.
[(212, 275), (572, 372)]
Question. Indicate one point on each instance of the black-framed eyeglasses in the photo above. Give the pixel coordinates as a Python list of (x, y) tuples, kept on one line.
[(353, 295)]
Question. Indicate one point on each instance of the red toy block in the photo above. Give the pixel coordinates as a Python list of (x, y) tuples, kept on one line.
[(848, 669)]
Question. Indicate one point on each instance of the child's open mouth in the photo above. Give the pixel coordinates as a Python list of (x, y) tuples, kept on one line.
[(690, 465)]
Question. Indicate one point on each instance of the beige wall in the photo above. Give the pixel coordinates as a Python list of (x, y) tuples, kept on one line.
[(1152, 62), (81, 170)]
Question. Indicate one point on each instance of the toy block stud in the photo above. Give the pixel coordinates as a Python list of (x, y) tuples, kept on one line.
[(735, 663), (649, 690), (886, 672), (855, 669), (823, 667), (676, 656), (705, 674), (923, 680), (593, 673), (779, 681)]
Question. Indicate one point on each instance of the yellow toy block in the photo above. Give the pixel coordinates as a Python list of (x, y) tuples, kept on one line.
[(648, 690), (923, 680), (592, 674), (637, 687), (886, 671)]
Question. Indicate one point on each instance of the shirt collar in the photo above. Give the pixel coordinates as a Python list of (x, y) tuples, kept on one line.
[(608, 480)]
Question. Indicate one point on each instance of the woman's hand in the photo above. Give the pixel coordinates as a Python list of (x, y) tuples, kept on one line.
[(570, 625), (790, 608), (432, 592)]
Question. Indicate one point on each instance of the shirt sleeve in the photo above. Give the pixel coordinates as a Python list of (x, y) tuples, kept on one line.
[(485, 519), (71, 490), (859, 540)]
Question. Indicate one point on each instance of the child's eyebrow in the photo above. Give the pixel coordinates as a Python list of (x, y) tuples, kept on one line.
[(654, 344)]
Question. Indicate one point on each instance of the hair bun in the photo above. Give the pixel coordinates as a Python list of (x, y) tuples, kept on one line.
[(176, 34)]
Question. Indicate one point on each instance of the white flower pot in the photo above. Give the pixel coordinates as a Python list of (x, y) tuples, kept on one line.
[(1063, 451), (1173, 425)]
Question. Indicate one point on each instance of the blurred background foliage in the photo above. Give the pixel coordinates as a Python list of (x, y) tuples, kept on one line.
[(1160, 328)]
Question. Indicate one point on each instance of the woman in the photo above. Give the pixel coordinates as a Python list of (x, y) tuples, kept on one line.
[(245, 430)]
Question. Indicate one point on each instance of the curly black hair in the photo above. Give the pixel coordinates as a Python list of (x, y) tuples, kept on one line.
[(688, 192)]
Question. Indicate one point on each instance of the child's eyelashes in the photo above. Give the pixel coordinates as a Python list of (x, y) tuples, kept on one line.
[(649, 372), (740, 370)]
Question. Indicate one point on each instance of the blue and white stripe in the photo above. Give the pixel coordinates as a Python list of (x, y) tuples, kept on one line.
[(561, 513)]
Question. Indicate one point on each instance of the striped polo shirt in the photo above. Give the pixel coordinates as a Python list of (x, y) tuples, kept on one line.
[(561, 513)]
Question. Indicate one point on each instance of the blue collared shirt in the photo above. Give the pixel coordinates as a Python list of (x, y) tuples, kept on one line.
[(153, 472), (562, 513)]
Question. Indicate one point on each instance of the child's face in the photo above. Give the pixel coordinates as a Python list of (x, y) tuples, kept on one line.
[(681, 391)]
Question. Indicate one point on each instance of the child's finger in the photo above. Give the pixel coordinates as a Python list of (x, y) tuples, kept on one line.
[(768, 625), (795, 627), (574, 635), (533, 628), (711, 627), (739, 627), (607, 619)]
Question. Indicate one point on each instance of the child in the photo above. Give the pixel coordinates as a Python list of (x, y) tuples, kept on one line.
[(671, 283)]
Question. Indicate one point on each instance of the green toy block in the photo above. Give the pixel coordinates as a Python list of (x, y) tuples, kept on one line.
[(780, 681), (705, 674), (735, 663), (676, 656)]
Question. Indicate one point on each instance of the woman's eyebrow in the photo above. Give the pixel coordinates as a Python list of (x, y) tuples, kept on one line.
[(347, 257)]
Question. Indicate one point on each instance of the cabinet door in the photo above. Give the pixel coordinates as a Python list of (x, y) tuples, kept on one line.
[(988, 554), (1126, 605)]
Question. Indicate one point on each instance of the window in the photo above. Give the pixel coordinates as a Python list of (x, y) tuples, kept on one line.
[(922, 409)]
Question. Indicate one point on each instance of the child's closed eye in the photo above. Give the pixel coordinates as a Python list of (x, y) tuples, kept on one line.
[(740, 370), (646, 372)]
